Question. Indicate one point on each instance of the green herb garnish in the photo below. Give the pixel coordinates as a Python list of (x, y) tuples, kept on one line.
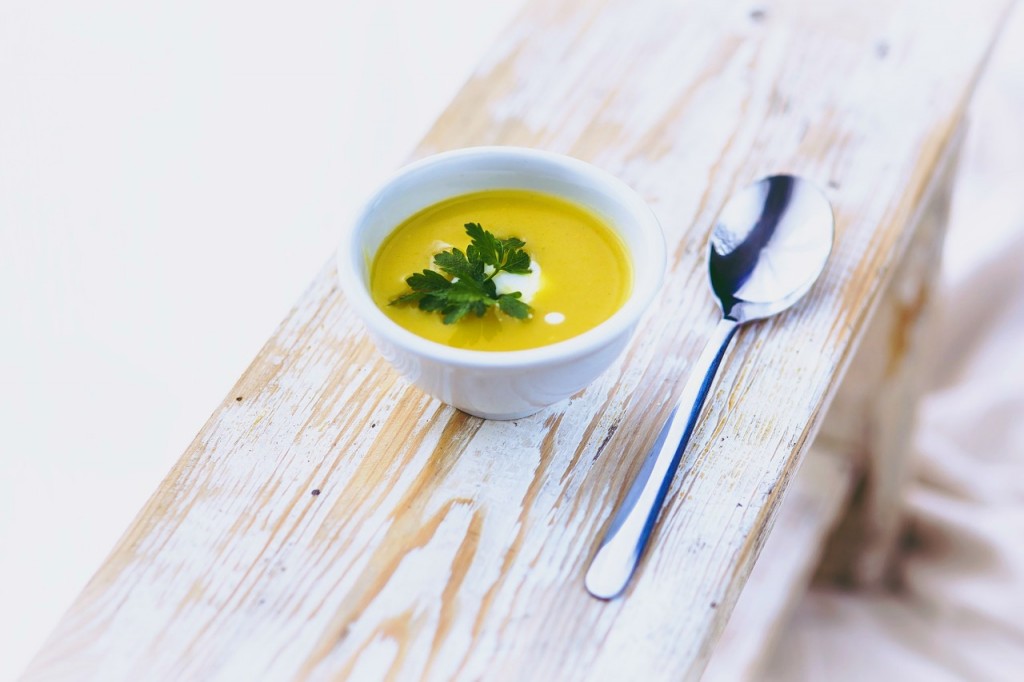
[(471, 287)]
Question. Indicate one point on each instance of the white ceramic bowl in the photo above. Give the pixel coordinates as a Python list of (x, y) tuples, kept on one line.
[(505, 384)]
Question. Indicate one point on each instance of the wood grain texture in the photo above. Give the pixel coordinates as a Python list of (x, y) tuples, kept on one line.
[(863, 446), (442, 546), (874, 415), (812, 506)]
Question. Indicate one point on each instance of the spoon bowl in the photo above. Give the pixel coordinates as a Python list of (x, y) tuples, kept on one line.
[(769, 245)]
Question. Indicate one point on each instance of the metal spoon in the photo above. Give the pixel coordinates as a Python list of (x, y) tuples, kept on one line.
[(768, 247)]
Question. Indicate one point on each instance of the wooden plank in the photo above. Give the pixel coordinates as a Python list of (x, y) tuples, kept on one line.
[(863, 445), (443, 546), (811, 508), (874, 415)]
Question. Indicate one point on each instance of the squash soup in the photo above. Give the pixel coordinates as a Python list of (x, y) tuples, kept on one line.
[(581, 273)]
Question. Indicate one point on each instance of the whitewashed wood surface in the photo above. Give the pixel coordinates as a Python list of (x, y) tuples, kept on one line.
[(840, 522), (813, 503), (443, 546)]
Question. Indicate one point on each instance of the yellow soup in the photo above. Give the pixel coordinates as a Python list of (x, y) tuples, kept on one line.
[(584, 270)]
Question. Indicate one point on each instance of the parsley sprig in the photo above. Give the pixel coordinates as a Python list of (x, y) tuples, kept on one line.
[(471, 285)]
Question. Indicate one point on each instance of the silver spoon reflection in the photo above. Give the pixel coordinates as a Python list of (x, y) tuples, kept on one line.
[(769, 245)]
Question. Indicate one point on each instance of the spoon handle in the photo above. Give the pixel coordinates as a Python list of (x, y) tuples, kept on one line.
[(627, 535)]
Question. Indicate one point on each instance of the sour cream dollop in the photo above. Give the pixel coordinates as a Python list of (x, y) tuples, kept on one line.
[(527, 285)]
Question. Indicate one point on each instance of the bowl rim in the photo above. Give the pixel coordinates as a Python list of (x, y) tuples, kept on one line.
[(646, 280)]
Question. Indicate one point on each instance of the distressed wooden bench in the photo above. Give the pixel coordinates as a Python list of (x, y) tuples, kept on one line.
[(330, 521)]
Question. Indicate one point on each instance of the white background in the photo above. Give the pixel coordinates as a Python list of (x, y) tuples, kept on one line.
[(171, 178)]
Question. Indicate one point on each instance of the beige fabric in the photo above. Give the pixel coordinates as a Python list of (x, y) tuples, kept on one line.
[(959, 612)]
